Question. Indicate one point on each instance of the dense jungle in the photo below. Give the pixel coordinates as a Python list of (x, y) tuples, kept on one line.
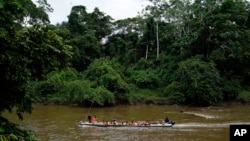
[(185, 52)]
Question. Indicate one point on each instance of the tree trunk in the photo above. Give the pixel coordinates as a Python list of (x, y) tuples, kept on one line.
[(157, 41)]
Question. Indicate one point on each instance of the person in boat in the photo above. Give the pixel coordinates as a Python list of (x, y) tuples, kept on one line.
[(115, 122), (166, 120), (131, 123), (94, 119), (89, 118), (147, 123), (169, 121)]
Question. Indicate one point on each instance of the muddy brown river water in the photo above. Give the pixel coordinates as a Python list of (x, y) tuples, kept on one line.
[(60, 123)]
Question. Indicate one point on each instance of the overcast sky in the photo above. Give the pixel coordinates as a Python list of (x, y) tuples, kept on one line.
[(117, 9)]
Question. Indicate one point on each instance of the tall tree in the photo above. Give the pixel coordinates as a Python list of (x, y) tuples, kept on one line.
[(26, 54), (87, 31), (77, 20), (34, 13), (100, 24), (123, 42), (224, 35)]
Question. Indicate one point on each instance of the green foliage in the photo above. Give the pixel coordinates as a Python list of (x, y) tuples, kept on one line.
[(86, 32), (68, 87), (27, 53), (102, 73), (143, 75), (81, 92), (167, 66), (123, 43), (147, 78), (230, 88), (86, 48), (51, 89), (244, 96), (14, 132), (174, 93), (204, 52), (53, 53), (1, 3), (36, 14), (146, 96), (34, 52), (223, 36), (200, 81), (103, 96), (218, 31)]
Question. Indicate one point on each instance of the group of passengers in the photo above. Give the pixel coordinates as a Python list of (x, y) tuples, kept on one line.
[(126, 123), (132, 123)]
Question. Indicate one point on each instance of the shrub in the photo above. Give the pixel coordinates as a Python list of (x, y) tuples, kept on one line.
[(101, 73), (174, 94), (199, 81), (244, 96)]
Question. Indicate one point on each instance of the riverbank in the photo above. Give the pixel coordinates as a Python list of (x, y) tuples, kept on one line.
[(136, 96), (14, 132), (159, 102)]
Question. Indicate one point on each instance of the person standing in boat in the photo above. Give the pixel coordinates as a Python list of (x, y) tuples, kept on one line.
[(89, 118), (169, 121)]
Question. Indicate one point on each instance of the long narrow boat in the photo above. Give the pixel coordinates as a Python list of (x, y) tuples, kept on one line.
[(100, 124)]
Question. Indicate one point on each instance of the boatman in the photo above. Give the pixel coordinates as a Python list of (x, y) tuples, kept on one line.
[(166, 120), (89, 118)]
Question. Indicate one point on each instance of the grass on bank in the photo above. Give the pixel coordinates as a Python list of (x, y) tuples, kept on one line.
[(244, 97)]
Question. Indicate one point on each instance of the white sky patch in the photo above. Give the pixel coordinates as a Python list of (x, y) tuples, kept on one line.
[(117, 9)]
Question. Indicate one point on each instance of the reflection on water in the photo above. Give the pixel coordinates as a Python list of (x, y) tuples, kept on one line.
[(60, 123)]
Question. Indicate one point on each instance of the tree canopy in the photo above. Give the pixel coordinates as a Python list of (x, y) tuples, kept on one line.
[(27, 52), (186, 52)]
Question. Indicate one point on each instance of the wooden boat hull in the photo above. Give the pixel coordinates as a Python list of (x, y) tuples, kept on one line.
[(87, 124)]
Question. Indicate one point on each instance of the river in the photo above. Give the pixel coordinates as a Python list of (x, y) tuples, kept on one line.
[(60, 123)]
